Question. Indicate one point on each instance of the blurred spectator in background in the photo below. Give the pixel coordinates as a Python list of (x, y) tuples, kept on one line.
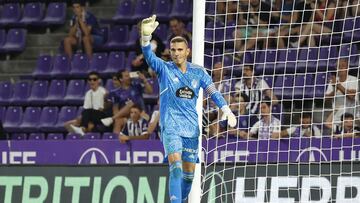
[(345, 128), (123, 98), (309, 21), (255, 88), (135, 127), (342, 89), (139, 64), (93, 106), (305, 129), (177, 28), (354, 9), (268, 126), (84, 31)]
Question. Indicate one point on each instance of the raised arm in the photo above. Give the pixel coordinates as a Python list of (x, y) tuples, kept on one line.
[(148, 26)]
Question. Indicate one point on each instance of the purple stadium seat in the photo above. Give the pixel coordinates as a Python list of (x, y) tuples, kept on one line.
[(109, 85), (75, 92), (286, 61), (15, 41), (320, 85), (124, 11), (36, 136), (189, 26), (30, 120), (92, 136), (61, 67), (55, 136), (143, 9), (327, 58), (162, 10), (33, 13), (110, 136), (39, 92), (115, 63), (48, 118), (18, 136), (55, 13), (118, 37), (57, 91), (14, 115), (210, 8), (130, 57), (43, 67), (214, 32), (269, 80), (133, 37), (304, 86), (66, 113), (22, 91), (181, 9), (11, 13), (283, 86), (348, 29), (6, 92), (73, 136), (98, 62), (79, 66)]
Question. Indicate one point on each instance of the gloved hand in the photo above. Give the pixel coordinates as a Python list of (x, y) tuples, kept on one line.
[(229, 116), (148, 26)]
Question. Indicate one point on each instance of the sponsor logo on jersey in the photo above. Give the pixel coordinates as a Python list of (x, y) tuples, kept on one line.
[(185, 92)]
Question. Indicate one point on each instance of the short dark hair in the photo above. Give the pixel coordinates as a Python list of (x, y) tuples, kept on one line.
[(266, 100), (120, 73), (347, 115), (245, 97), (94, 73), (251, 66), (306, 115), (179, 39), (136, 106), (81, 2)]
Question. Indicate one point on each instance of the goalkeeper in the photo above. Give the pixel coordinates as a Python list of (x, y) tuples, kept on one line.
[(180, 82)]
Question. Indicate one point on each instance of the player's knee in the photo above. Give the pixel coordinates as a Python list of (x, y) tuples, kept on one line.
[(176, 169), (188, 176)]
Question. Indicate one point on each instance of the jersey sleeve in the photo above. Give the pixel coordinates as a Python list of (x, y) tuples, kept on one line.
[(152, 60), (207, 84), (144, 128)]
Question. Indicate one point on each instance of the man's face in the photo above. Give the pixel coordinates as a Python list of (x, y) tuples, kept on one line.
[(217, 71), (116, 82), (343, 64), (134, 114), (126, 78), (264, 109), (254, 2), (78, 9), (306, 122), (248, 72), (176, 27), (179, 53), (94, 82), (348, 124)]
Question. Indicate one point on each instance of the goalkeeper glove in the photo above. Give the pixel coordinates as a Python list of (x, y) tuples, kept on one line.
[(229, 116), (148, 26)]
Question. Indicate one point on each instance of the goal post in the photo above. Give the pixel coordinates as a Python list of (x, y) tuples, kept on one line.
[(290, 72)]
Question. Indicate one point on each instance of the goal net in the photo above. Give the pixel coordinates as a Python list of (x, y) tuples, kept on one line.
[(290, 71)]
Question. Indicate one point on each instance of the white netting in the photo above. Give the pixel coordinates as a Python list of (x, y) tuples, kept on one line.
[(290, 71)]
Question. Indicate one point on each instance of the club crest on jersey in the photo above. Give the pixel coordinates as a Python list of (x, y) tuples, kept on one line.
[(185, 92), (194, 83)]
